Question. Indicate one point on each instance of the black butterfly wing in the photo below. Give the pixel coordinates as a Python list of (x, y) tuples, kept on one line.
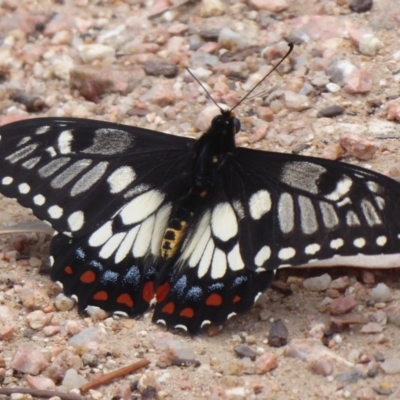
[(304, 209), (270, 210), (76, 173), (107, 190)]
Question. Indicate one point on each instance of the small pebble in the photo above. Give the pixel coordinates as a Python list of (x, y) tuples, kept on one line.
[(360, 6), (358, 82), (369, 45), (38, 319), (63, 302), (372, 327), (331, 111), (321, 366), (358, 146), (318, 283), (342, 305), (72, 380), (381, 293), (265, 363), (391, 366), (351, 376), (242, 351), (278, 334), (295, 101)]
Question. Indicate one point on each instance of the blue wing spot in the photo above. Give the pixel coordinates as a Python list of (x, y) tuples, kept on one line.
[(194, 293), (216, 286), (239, 280), (132, 276)]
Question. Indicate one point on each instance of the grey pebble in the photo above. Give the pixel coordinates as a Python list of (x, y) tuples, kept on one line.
[(160, 67), (242, 351), (351, 376), (360, 6), (331, 111), (278, 334)]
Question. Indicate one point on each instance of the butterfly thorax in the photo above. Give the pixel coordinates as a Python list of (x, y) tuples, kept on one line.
[(211, 152)]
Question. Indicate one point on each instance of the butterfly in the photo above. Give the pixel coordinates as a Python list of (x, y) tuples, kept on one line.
[(196, 227)]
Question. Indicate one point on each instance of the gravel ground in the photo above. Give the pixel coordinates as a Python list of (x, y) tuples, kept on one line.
[(124, 61)]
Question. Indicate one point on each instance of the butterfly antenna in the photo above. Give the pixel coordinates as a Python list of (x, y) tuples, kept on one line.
[(209, 95), (266, 76)]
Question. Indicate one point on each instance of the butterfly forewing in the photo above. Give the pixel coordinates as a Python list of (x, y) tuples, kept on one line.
[(312, 209), (76, 174), (199, 225)]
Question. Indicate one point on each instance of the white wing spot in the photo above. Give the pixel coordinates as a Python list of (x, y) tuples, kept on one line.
[(329, 215), (239, 209), (235, 261), (89, 179), (39, 199), (22, 153), (373, 186), (55, 212), (342, 188), (380, 201), (141, 207), (64, 142), (370, 213), (223, 222), (24, 188), (120, 179), (111, 245), (76, 220), (359, 242), (143, 239), (206, 258), (52, 151), (42, 129), (260, 204), (102, 234), (352, 219), (160, 225), (286, 253), (336, 243), (263, 255), (29, 164), (302, 175), (312, 248), (308, 218), (126, 244), (381, 240), (218, 267), (198, 242), (7, 180), (53, 166), (24, 140), (343, 202), (286, 212), (70, 173)]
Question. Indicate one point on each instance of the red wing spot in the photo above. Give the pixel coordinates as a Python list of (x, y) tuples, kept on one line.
[(125, 299), (68, 270), (236, 299), (169, 308), (148, 292), (214, 300), (102, 295), (162, 292), (187, 312), (88, 277)]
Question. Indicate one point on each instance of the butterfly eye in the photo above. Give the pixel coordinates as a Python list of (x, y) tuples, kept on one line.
[(236, 125)]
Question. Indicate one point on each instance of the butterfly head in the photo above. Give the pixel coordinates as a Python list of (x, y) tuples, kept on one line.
[(226, 121)]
